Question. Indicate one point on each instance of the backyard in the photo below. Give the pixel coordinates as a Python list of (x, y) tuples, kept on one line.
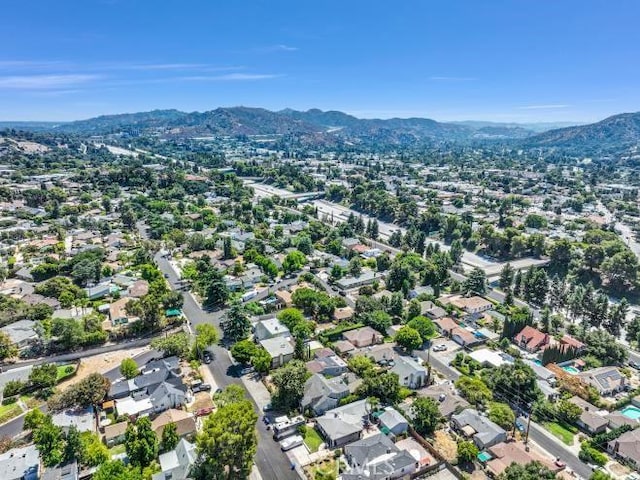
[(65, 371), (324, 470)]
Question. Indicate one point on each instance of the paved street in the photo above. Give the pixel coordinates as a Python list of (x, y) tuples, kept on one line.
[(272, 463)]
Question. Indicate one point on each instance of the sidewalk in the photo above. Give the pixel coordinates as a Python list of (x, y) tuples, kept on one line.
[(207, 377)]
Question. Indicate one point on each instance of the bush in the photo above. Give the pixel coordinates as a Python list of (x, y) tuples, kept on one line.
[(589, 454), (13, 387), (9, 400)]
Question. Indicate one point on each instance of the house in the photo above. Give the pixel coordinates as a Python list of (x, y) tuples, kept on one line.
[(168, 395), (343, 313), (490, 358), (410, 373), (22, 333), (284, 298), (607, 380), (68, 471), (270, 328), (331, 365), (445, 325), (626, 447), (466, 338), (280, 349), (483, 431), (20, 464), (99, 291), (344, 347), (114, 434), (363, 337), (83, 419), (151, 375), (343, 425), (393, 422), (542, 373), (377, 458), (138, 289), (322, 394), (449, 402), (569, 341), (420, 290), (434, 312), (133, 407), (185, 422), (617, 419), (367, 277), (589, 419), (506, 453), (473, 305), (118, 312), (531, 339), (176, 464)]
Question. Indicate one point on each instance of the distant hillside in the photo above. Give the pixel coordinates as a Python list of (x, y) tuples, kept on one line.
[(314, 125), (613, 134)]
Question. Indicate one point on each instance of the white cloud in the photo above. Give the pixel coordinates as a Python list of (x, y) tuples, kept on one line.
[(230, 77), (278, 48), (450, 79), (544, 107), (44, 82)]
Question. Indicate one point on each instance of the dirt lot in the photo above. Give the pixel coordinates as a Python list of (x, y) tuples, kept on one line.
[(101, 363)]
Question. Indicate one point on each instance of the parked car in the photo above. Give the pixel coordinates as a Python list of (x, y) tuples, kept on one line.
[(440, 348), (267, 408), (204, 411), (200, 387), (206, 358), (635, 365), (291, 442)]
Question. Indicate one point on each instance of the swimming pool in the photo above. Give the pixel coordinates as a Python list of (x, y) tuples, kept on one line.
[(570, 369), (484, 456), (631, 412)]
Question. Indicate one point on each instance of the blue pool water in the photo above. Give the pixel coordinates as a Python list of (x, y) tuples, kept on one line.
[(631, 412), (484, 456), (572, 370)]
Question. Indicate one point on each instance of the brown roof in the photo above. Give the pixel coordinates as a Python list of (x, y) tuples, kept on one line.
[(446, 323), (344, 346), (465, 334), (284, 296), (532, 337), (343, 313), (362, 334), (139, 288), (115, 430), (117, 308), (515, 452), (569, 340), (185, 422)]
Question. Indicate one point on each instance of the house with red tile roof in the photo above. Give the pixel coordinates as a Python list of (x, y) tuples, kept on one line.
[(531, 339)]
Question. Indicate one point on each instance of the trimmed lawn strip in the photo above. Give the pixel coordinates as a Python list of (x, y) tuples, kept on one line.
[(312, 439), (65, 371), (8, 412), (562, 431)]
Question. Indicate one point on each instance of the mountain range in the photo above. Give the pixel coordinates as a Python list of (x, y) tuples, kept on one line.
[(615, 134)]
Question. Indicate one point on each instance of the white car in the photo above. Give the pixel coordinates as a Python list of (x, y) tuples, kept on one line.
[(291, 442), (440, 348)]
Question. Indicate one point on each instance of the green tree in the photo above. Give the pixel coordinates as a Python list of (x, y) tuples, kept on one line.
[(261, 361), (289, 381), (206, 335), (243, 351), (170, 437), (34, 419), (7, 348), (141, 443), (50, 442), (426, 416), (467, 452), (621, 270), (117, 470), (236, 324), (94, 452), (531, 471), (476, 281), (474, 390), (424, 326), (409, 338), (290, 317), (294, 261), (175, 344), (73, 448), (385, 387), (502, 414), (129, 368), (227, 443), (232, 394), (89, 391), (362, 366), (514, 381), (569, 411)]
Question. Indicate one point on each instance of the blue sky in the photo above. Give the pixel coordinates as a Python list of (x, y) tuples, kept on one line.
[(519, 60)]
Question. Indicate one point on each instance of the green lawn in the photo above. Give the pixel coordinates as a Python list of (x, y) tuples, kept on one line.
[(563, 432), (7, 412), (312, 439), (117, 450), (65, 371)]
